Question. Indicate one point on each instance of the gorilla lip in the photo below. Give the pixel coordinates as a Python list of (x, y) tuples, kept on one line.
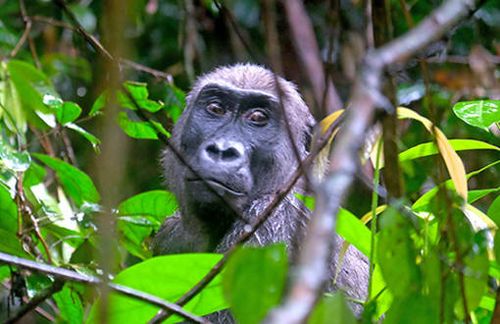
[(218, 186)]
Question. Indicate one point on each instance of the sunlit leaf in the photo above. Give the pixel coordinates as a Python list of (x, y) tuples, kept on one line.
[(254, 281), (427, 149), (70, 305), (167, 277), (94, 141), (140, 129), (332, 309), (8, 211), (76, 183), (478, 113)]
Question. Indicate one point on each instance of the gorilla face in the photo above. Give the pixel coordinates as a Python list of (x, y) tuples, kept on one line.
[(231, 137)]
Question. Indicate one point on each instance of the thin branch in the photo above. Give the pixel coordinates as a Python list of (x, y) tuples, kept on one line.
[(229, 16), (311, 270), (35, 301), (68, 275)]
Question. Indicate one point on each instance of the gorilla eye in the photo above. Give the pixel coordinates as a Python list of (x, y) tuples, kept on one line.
[(258, 117), (215, 109)]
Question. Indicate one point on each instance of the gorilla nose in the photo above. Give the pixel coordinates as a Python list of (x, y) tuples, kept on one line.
[(224, 152)]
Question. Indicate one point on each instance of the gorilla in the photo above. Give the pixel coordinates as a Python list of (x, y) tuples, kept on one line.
[(233, 135)]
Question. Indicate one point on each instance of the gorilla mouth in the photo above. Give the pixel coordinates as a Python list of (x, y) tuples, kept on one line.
[(218, 186)]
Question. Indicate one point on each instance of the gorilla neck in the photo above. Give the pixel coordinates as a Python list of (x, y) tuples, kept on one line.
[(213, 220)]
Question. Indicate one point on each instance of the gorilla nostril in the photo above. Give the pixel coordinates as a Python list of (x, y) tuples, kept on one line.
[(230, 154), (213, 151)]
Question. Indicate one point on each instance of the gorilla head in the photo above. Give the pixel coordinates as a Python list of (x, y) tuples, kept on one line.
[(232, 133)]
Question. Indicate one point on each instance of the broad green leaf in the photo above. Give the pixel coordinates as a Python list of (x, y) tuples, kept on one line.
[(10, 103), (427, 149), (8, 211), (70, 305), (32, 84), (413, 307), (254, 281), (354, 231), (175, 101), (76, 183), (157, 203), (453, 162), (94, 141), (478, 113), (99, 104), (11, 244), (494, 211), (16, 161), (140, 94), (475, 195), (167, 277), (332, 309), (68, 113), (140, 129), (402, 276), (142, 213)]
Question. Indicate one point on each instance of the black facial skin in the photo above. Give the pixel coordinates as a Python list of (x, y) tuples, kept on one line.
[(230, 136)]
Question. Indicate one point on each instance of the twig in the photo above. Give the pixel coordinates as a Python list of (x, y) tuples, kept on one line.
[(26, 35), (24, 211), (224, 11), (313, 260), (35, 301), (309, 54), (68, 275), (88, 37)]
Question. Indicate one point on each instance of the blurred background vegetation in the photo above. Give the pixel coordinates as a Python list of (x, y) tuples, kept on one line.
[(167, 44)]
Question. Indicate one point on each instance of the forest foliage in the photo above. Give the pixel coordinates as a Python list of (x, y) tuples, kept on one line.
[(433, 249)]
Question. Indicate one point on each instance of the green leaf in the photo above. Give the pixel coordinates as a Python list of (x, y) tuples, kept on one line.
[(494, 212), (11, 244), (413, 308), (68, 113), (10, 104), (427, 149), (140, 129), (70, 305), (332, 309), (254, 281), (94, 141), (478, 113), (16, 161), (140, 94), (402, 276), (157, 203), (32, 84), (354, 231), (8, 211), (76, 183), (167, 277), (99, 104)]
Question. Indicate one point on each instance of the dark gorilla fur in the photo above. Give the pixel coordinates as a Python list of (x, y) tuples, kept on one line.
[(233, 134)]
